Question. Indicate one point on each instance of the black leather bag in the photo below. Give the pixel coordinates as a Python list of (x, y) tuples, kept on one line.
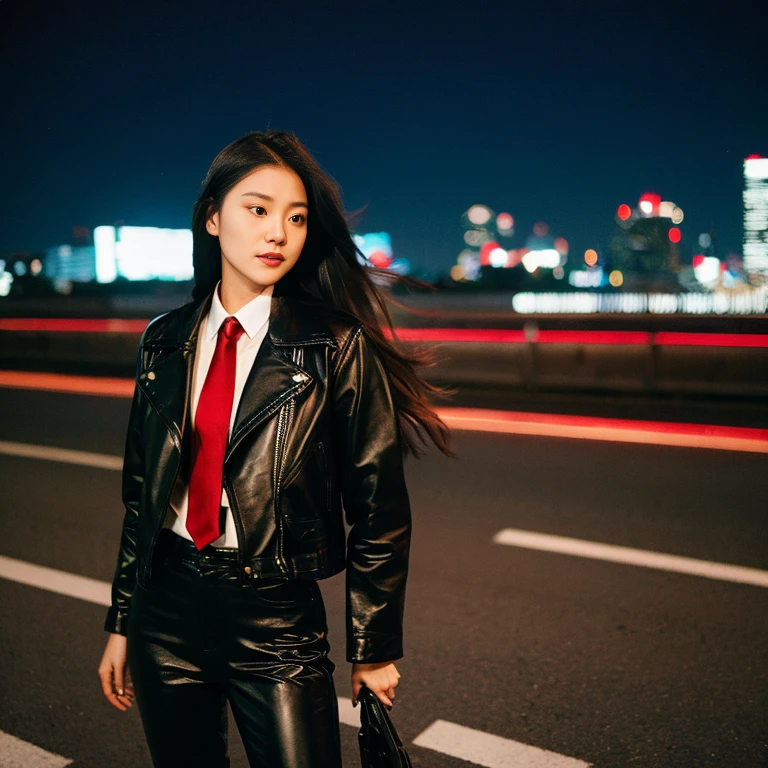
[(380, 746)]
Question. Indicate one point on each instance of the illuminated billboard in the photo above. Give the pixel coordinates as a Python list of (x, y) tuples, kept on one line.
[(143, 253), (756, 215)]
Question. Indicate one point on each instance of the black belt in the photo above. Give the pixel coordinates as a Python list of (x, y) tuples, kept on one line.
[(219, 558), (209, 554)]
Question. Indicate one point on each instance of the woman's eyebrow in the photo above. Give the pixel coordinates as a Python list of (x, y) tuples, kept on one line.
[(272, 199)]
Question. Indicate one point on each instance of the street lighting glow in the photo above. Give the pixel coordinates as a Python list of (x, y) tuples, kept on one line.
[(479, 214)]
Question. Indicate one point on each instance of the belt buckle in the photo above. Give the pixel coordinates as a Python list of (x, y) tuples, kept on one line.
[(204, 564)]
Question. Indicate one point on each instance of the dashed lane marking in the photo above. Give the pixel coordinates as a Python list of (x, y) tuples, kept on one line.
[(69, 584), (348, 715), (16, 753), (489, 750), (474, 746), (509, 536), (514, 537), (66, 455)]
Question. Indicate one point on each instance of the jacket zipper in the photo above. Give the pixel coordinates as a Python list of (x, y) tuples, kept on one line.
[(283, 422)]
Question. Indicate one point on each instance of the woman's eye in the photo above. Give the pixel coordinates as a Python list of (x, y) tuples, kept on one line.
[(255, 208), (300, 216)]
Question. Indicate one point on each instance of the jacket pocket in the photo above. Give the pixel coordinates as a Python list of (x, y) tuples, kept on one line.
[(286, 593), (305, 501), (304, 530)]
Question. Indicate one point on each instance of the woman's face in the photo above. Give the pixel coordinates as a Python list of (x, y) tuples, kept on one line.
[(264, 212)]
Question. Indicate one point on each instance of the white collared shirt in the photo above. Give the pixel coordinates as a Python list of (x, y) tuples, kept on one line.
[(254, 317)]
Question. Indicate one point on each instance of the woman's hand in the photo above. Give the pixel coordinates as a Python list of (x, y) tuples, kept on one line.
[(381, 678), (112, 673)]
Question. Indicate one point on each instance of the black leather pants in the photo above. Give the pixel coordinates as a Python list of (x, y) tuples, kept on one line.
[(201, 634)]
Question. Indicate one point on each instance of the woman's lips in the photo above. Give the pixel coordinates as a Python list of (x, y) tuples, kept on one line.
[(271, 261)]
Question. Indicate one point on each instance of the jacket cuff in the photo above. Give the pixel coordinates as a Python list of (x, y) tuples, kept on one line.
[(373, 648), (116, 621)]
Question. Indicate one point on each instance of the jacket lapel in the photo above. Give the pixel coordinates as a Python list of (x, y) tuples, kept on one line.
[(169, 358), (272, 380)]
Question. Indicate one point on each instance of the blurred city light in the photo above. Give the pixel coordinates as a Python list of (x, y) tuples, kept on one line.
[(469, 261), (486, 251), (624, 212), (666, 208), (376, 248), (674, 235), (755, 201), (650, 203), (6, 279), (479, 214), (548, 257), (505, 223), (498, 257), (143, 253), (477, 237), (590, 257), (707, 270), (586, 278)]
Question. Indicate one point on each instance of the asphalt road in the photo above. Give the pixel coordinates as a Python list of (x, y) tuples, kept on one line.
[(616, 665)]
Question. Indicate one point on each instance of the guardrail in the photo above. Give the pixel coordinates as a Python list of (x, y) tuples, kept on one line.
[(530, 359)]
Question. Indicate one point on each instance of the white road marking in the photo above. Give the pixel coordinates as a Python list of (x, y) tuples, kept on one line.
[(468, 744), (488, 750), (66, 455), (475, 746), (348, 715), (16, 753), (69, 584), (514, 537)]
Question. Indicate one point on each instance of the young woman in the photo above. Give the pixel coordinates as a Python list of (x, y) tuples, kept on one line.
[(264, 452)]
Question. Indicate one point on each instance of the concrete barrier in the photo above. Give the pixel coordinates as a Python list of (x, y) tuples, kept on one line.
[(525, 365)]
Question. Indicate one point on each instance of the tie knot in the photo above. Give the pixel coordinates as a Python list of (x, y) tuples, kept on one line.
[(232, 329)]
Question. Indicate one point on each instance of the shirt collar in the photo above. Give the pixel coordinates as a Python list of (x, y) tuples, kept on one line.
[(252, 316)]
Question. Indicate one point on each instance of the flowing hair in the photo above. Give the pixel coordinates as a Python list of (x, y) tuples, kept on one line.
[(328, 271)]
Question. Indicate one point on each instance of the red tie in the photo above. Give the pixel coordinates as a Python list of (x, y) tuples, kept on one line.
[(210, 437)]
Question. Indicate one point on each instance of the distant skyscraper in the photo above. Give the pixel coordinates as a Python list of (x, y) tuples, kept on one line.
[(756, 215)]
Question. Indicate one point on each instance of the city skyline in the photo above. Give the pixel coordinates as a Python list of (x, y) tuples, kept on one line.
[(555, 114)]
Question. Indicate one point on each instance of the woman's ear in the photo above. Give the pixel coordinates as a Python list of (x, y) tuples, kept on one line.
[(211, 218), (212, 224)]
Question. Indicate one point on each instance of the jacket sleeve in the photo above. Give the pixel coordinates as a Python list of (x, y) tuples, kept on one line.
[(124, 580), (375, 500)]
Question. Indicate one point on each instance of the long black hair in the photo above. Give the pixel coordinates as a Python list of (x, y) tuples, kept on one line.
[(328, 270)]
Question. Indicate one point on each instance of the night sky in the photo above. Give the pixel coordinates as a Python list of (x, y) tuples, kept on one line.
[(113, 111)]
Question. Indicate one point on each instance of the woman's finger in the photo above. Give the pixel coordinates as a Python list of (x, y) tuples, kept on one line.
[(119, 685), (384, 699), (106, 675)]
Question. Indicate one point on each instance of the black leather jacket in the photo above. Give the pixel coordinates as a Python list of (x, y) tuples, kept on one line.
[(315, 432)]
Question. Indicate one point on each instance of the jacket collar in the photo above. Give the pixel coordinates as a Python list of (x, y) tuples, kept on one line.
[(292, 322), (252, 316), (277, 373)]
